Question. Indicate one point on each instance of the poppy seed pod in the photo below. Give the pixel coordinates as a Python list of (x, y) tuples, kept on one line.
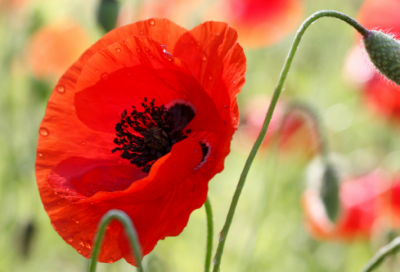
[(384, 52)]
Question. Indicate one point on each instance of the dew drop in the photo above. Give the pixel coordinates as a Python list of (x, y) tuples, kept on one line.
[(168, 55), (226, 106), (70, 240), (79, 251), (110, 260), (139, 50), (118, 50), (125, 42), (115, 46), (204, 58), (210, 77), (152, 22), (146, 49), (163, 47), (60, 88), (77, 221), (80, 242), (97, 71), (88, 245), (83, 143), (128, 74), (234, 82), (141, 32), (104, 76), (63, 229), (40, 155), (44, 131)]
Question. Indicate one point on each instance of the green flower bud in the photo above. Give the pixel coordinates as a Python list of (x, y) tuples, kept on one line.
[(384, 52)]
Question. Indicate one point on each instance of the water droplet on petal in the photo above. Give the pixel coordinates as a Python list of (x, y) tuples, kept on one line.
[(83, 143), (79, 251), (60, 88), (118, 50), (210, 77), (141, 32), (80, 242), (110, 260), (168, 55), (204, 58), (77, 221), (70, 240), (226, 106), (152, 22), (139, 50), (104, 76), (40, 155), (97, 71), (44, 131), (163, 47), (63, 229), (88, 245), (146, 49)]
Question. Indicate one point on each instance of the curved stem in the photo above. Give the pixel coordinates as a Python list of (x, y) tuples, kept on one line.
[(382, 253), (324, 13), (126, 222), (210, 234)]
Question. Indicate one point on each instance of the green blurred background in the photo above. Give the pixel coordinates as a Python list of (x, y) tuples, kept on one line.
[(268, 232)]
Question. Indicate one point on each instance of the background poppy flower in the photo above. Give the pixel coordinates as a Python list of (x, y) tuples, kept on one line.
[(382, 95), (259, 22), (295, 134), (361, 204), (183, 86), (53, 48)]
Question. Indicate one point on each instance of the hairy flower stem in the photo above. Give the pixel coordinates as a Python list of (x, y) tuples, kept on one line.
[(384, 252), (210, 234), (130, 231), (324, 13)]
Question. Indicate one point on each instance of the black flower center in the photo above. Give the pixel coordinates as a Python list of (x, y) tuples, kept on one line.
[(144, 136)]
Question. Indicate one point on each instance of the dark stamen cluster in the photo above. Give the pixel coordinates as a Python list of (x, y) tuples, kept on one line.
[(144, 136)]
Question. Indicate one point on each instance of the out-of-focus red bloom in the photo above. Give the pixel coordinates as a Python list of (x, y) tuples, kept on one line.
[(181, 12), (259, 22), (96, 152), (361, 207), (382, 95), (392, 203), (291, 131), (53, 48)]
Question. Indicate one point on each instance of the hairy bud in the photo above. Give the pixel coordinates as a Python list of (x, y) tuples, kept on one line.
[(384, 52)]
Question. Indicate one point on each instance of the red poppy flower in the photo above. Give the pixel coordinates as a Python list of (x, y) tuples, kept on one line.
[(141, 123), (391, 200), (259, 22), (361, 206), (382, 95)]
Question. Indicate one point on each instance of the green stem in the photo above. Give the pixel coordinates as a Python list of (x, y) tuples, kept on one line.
[(126, 222), (324, 13), (210, 234), (384, 252)]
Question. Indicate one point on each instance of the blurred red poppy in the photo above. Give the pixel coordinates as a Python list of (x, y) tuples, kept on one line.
[(290, 129), (392, 203), (361, 207), (55, 47), (141, 122), (382, 95), (258, 22)]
